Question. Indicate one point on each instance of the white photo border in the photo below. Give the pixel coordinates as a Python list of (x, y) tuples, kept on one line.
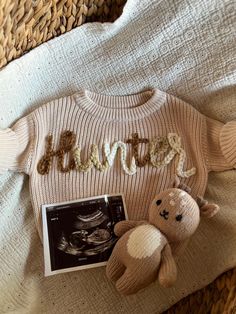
[(46, 249)]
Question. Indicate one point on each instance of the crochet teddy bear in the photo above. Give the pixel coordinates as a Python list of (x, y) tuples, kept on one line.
[(143, 253)]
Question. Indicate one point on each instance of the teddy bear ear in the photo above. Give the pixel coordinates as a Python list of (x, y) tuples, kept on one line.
[(209, 210)]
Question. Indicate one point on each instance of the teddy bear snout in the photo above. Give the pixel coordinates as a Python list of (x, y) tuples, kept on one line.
[(164, 214)]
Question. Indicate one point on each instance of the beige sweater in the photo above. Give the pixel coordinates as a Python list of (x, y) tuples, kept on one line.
[(89, 144)]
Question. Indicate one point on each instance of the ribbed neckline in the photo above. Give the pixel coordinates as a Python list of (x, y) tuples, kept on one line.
[(120, 108)]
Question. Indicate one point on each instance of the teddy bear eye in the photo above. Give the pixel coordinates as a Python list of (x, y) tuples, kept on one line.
[(158, 202), (179, 217)]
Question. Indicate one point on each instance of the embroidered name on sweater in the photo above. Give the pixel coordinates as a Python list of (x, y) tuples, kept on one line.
[(161, 151)]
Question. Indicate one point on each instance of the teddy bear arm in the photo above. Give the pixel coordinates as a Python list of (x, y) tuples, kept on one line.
[(168, 271), (125, 225)]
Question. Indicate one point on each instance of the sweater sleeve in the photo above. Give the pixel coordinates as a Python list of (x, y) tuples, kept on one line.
[(16, 146), (219, 145)]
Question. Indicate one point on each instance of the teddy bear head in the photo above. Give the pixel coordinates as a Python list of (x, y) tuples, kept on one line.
[(175, 213)]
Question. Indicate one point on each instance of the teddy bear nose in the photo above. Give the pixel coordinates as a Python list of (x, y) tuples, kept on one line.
[(164, 214)]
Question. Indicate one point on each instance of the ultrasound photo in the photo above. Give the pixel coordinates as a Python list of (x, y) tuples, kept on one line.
[(79, 234)]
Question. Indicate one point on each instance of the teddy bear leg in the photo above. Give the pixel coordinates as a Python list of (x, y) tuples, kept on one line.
[(114, 268), (130, 282)]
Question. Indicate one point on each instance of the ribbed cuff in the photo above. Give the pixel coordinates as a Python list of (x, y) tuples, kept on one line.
[(214, 157), (228, 142), (9, 147)]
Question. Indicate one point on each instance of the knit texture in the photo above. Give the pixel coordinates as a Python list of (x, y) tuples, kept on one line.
[(184, 47), (143, 253), (175, 138)]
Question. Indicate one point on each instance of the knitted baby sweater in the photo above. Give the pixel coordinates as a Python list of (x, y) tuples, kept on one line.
[(90, 144)]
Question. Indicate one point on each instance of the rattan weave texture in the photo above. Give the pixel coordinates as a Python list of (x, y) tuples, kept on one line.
[(217, 298), (25, 24)]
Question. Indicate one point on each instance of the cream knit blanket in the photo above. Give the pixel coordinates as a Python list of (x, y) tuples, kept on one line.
[(184, 47)]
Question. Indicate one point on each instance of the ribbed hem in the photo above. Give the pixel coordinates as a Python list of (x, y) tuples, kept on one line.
[(228, 142), (9, 147), (120, 108)]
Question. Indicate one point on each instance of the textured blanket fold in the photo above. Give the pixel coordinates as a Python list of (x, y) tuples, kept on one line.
[(182, 47)]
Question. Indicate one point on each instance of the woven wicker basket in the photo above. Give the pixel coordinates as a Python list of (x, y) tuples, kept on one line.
[(26, 24), (217, 298)]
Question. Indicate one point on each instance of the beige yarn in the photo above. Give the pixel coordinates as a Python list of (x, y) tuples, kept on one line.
[(54, 177), (143, 253)]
